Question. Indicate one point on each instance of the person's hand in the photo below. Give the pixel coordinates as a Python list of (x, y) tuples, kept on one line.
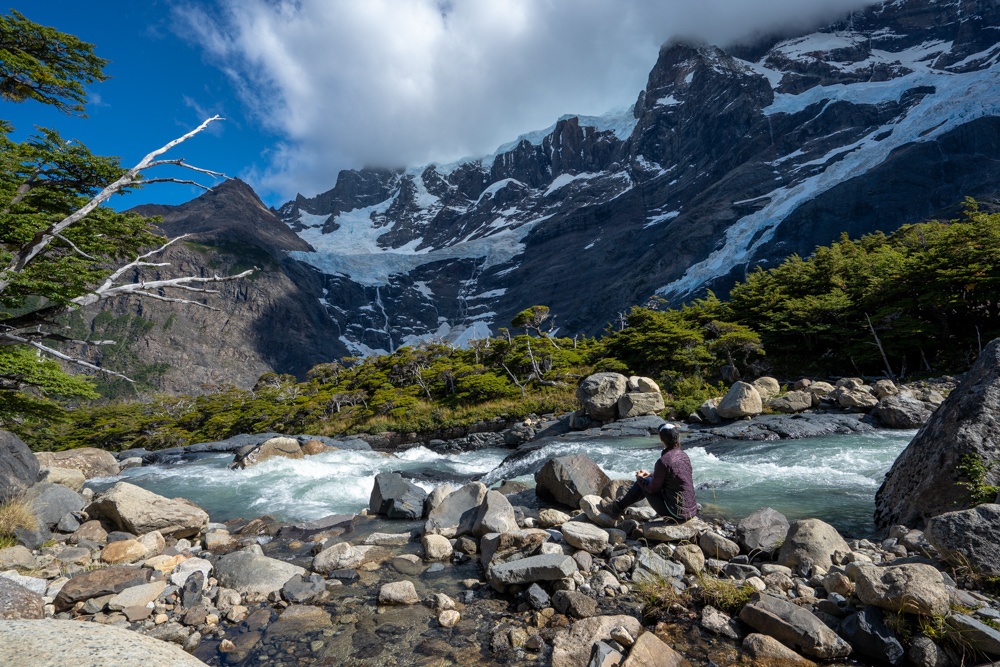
[(642, 474)]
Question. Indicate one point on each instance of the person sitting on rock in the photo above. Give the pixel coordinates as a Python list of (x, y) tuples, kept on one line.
[(670, 487)]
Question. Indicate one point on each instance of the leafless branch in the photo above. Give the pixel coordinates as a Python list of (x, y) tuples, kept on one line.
[(43, 238), (182, 163), (60, 355), (73, 246), (182, 181)]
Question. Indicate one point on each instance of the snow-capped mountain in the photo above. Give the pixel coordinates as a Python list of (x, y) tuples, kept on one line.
[(728, 159)]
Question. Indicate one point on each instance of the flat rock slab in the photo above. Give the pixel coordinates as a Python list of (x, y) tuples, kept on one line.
[(584, 536), (546, 567), (793, 626), (140, 511), (250, 572), (571, 648), (299, 620), (43, 643), (661, 531), (18, 602), (106, 581), (137, 596)]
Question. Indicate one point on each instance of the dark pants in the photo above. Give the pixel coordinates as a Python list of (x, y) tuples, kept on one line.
[(656, 501)]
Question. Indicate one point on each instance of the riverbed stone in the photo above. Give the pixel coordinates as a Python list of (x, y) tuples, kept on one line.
[(649, 565), (767, 650), (793, 626), (913, 588), (867, 632), (187, 566), (495, 515), (717, 546), (584, 536), (599, 394), (571, 646), (123, 551), (92, 462), (812, 539), (298, 620), (90, 531), (968, 537), (742, 400), (975, 634), (661, 530), (504, 547), (793, 401), (104, 581), (549, 517), (398, 592), (923, 481), (637, 404), (457, 513), (545, 567), (249, 571), (280, 447), (139, 511), (691, 557), (396, 498), (304, 589), (51, 502), (49, 642), (437, 547), (16, 556), (574, 604), (340, 556), (651, 651), (762, 531), (136, 596), (19, 602), (567, 479), (767, 387)]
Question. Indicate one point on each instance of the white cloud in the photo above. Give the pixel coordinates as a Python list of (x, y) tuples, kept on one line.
[(406, 82)]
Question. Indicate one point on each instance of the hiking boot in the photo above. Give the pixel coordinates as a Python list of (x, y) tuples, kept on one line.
[(611, 508)]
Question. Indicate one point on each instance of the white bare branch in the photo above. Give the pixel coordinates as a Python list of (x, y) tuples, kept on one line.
[(60, 355), (73, 246), (182, 181), (107, 291), (159, 297), (42, 239), (182, 163)]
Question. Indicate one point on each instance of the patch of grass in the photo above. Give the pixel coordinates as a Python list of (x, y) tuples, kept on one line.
[(725, 594), (14, 514), (976, 470), (659, 596)]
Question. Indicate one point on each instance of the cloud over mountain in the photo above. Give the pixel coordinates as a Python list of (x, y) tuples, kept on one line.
[(393, 82)]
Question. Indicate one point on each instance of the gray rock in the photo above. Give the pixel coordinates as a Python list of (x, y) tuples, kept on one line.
[(396, 498), (793, 626), (968, 537), (574, 604), (637, 404), (457, 513), (923, 481), (537, 597), (650, 565), (571, 646), (602, 654), (793, 401), (97, 583), (975, 634), (398, 592), (766, 650), (903, 411), (18, 602), (51, 502), (911, 587), (545, 567), (714, 545), (16, 556), (279, 447), (304, 590), (71, 478), (190, 593), (762, 531), (136, 596), (867, 632), (814, 540), (495, 515), (923, 652), (35, 584), (567, 479), (742, 400), (92, 462), (584, 536), (599, 394), (48, 642), (719, 623), (18, 466), (140, 511), (249, 571)]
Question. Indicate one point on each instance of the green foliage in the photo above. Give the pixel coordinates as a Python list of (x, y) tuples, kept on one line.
[(724, 594), (975, 470), (43, 64)]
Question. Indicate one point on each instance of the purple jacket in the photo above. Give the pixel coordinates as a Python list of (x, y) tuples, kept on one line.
[(672, 479)]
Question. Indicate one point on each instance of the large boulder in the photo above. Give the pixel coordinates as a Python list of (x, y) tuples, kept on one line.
[(742, 400), (913, 588), (139, 511), (637, 404), (40, 643), (250, 571), (457, 513), (396, 498), (762, 531), (18, 466), (814, 540), (793, 401), (968, 537), (903, 411), (495, 515), (280, 447), (924, 480), (90, 461), (599, 394), (567, 479), (857, 398), (793, 626), (51, 502), (767, 387)]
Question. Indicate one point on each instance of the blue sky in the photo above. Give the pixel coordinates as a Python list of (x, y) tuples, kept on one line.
[(310, 87)]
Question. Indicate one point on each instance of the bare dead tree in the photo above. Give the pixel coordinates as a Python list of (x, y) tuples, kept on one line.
[(35, 328)]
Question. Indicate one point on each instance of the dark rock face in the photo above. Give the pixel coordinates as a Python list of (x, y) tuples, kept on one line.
[(969, 537), (924, 480), (396, 498), (18, 466), (567, 479), (868, 634)]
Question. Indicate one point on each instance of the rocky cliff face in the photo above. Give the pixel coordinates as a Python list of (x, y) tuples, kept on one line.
[(728, 160), (266, 322)]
